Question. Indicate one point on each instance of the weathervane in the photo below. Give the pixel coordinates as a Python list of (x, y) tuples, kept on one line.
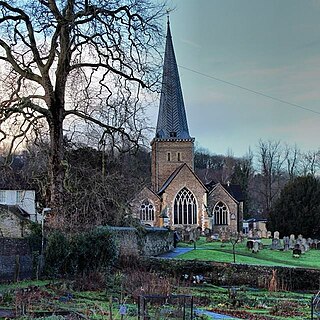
[(168, 14)]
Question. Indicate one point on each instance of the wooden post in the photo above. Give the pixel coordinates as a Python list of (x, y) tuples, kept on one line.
[(110, 307)]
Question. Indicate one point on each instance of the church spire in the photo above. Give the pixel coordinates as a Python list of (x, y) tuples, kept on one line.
[(172, 120)]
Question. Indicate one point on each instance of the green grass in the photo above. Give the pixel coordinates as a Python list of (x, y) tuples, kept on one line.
[(216, 251)]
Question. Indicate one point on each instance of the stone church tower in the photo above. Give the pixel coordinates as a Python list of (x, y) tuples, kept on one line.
[(172, 144), (177, 197)]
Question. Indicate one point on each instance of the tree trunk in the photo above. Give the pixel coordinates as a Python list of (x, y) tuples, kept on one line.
[(56, 167)]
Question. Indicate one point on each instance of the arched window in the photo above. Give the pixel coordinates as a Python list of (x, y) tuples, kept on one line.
[(185, 208), (146, 211), (221, 213)]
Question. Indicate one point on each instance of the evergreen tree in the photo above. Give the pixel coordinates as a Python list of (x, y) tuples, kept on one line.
[(297, 210)]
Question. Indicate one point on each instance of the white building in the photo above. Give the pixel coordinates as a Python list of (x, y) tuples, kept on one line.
[(24, 199)]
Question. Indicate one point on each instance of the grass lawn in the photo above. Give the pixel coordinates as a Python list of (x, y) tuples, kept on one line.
[(222, 252)]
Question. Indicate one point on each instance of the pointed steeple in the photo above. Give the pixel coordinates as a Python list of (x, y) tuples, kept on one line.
[(172, 121)]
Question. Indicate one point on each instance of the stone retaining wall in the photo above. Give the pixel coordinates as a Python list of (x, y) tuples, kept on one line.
[(229, 274), (16, 259), (144, 241)]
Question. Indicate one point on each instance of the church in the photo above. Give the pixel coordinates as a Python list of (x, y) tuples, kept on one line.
[(177, 198)]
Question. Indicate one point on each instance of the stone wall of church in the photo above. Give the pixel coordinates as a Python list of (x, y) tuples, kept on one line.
[(154, 199), (219, 194), (181, 151), (186, 179)]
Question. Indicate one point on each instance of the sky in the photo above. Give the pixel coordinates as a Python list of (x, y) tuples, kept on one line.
[(268, 46)]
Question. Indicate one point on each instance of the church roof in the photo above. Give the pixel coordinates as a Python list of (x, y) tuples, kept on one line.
[(172, 120), (234, 190), (174, 174)]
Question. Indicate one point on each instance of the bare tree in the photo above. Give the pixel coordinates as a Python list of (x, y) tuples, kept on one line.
[(271, 159), (310, 163), (68, 60), (292, 156)]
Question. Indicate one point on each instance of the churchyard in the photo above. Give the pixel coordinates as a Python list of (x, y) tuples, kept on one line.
[(271, 252)]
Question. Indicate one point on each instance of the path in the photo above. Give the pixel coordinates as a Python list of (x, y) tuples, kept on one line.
[(214, 315), (176, 252)]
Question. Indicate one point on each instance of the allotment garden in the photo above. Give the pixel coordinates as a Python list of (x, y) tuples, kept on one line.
[(206, 273)]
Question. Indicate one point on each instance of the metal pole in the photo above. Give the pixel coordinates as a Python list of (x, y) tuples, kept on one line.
[(191, 307)]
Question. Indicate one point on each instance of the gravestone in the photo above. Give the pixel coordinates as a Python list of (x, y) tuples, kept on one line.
[(305, 244), (259, 234), (264, 234), (255, 248), (292, 241), (269, 234), (313, 245), (250, 234), (276, 235), (276, 245), (300, 237), (286, 243), (250, 244)]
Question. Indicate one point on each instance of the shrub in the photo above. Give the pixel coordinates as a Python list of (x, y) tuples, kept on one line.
[(57, 254), (92, 251)]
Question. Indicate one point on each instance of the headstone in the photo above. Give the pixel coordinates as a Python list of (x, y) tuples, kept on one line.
[(292, 241), (276, 245), (250, 244), (255, 248), (305, 244), (269, 234), (299, 242), (300, 236), (313, 245), (264, 234), (250, 234), (259, 234), (276, 235), (302, 248), (260, 245), (286, 243), (207, 232)]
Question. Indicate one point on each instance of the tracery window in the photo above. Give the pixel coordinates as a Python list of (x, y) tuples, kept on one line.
[(185, 208), (146, 211), (221, 213)]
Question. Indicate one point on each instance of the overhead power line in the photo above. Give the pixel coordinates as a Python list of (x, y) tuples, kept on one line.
[(250, 90)]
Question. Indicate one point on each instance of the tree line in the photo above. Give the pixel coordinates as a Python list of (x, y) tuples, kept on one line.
[(262, 173)]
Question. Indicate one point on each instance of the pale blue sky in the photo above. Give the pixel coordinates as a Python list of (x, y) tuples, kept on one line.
[(270, 46)]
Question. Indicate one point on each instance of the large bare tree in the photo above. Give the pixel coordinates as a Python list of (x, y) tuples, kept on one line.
[(65, 60)]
